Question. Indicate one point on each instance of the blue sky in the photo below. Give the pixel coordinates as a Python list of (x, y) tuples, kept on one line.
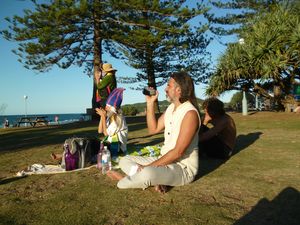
[(59, 90)]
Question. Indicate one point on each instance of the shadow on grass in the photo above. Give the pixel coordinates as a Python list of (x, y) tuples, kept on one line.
[(207, 165), (11, 179), (137, 126), (25, 138), (252, 112), (284, 209), (243, 141), (20, 139)]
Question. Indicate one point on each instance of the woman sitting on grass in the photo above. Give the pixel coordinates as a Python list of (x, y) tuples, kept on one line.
[(112, 125)]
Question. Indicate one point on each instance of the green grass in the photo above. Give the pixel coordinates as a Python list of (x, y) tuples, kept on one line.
[(259, 185)]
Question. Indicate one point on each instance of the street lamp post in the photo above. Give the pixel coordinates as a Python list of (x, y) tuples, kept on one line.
[(256, 101), (25, 100), (244, 101), (244, 104)]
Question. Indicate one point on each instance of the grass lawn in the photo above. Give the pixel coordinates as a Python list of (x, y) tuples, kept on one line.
[(259, 185)]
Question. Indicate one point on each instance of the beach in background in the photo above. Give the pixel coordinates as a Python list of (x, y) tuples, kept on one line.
[(62, 118)]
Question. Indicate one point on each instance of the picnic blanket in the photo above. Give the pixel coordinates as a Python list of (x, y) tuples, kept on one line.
[(46, 169), (150, 151), (37, 168)]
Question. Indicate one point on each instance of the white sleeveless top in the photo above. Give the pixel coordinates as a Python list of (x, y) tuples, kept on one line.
[(173, 120)]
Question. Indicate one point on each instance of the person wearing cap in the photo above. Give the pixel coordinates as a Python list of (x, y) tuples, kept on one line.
[(178, 163), (106, 83), (112, 122)]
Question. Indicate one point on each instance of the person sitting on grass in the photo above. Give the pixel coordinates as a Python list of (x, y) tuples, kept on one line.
[(218, 141), (178, 163), (113, 124)]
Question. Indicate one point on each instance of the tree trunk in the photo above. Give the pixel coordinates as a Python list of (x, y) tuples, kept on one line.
[(97, 54), (151, 75), (278, 98), (150, 67)]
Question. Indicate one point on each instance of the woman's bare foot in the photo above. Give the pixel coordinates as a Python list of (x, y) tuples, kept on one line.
[(114, 175), (161, 188)]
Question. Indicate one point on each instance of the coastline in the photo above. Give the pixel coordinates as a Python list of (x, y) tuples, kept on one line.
[(63, 118)]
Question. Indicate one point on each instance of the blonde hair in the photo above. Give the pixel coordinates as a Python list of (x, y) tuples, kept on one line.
[(117, 118)]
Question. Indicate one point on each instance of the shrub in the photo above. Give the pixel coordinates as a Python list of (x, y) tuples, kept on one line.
[(129, 110)]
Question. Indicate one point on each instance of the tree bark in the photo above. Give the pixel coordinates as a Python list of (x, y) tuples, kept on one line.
[(150, 66), (97, 54), (151, 75)]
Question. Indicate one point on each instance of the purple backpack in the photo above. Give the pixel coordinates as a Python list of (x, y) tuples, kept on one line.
[(71, 160), (77, 153)]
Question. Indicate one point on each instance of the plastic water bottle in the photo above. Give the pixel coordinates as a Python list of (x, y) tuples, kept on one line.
[(106, 160), (99, 156)]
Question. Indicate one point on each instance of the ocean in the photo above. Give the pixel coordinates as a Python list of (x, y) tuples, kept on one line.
[(62, 118)]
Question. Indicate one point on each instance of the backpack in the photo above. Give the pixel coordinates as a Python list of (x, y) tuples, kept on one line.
[(79, 153)]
